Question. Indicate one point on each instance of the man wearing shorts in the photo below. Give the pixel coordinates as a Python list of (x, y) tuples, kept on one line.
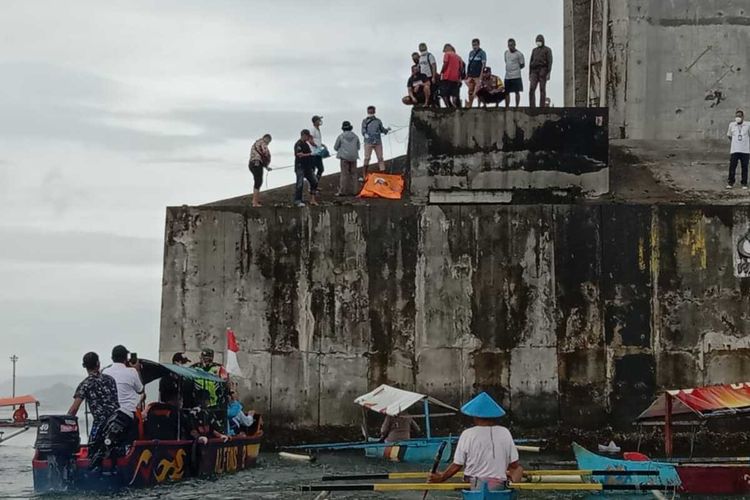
[(260, 158), (514, 63), (540, 66), (372, 130), (418, 89), (450, 77), (474, 69)]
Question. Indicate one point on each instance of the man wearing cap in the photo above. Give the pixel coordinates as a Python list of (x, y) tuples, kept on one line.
[(207, 364), (486, 451), (347, 151)]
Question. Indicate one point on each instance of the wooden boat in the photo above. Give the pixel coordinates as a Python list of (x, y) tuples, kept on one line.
[(16, 401), (387, 400), (147, 462), (685, 407)]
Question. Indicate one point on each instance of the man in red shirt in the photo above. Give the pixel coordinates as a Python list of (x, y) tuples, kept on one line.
[(450, 77)]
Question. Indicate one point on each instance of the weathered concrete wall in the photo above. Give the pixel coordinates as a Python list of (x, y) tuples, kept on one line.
[(567, 313), (455, 152), (667, 60)]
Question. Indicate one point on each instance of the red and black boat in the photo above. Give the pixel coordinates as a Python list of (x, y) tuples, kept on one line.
[(61, 464)]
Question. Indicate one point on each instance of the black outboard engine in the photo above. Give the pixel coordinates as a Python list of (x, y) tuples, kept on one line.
[(57, 442), (113, 435)]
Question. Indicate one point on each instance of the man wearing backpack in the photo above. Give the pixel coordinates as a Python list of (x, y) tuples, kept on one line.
[(475, 68), (428, 67)]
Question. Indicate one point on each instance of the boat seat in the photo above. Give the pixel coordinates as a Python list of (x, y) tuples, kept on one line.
[(161, 422)]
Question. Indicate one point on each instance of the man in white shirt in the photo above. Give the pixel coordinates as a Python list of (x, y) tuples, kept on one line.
[(129, 385), (486, 451), (740, 152), (317, 145)]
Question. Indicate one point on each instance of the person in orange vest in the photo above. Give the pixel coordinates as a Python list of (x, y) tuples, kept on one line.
[(20, 415)]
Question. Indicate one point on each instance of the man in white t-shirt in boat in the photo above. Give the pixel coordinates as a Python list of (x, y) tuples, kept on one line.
[(486, 451)]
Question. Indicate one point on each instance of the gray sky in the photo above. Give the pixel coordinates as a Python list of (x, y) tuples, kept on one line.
[(113, 110)]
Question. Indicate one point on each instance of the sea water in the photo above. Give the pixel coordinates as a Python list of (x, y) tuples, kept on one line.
[(273, 477)]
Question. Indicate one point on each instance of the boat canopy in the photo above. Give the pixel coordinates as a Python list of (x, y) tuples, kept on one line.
[(704, 402), (391, 401), (151, 370), (18, 400)]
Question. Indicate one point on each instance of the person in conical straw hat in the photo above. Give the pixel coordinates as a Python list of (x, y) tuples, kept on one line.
[(486, 451)]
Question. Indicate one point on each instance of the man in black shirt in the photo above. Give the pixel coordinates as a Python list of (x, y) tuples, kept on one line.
[(100, 392), (303, 169), (418, 87)]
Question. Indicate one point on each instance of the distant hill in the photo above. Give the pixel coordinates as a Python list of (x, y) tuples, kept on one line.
[(34, 383), (54, 392)]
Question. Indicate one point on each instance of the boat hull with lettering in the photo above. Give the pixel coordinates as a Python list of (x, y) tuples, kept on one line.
[(147, 464)]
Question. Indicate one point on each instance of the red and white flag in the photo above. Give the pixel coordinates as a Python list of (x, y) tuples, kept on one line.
[(233, 348)]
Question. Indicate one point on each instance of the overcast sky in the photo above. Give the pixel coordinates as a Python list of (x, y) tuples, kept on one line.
[(112, 110)]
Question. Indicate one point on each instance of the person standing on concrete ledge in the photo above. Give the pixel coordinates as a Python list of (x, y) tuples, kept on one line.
[(303, 169), (740, 151), (372, 130), (450, 77), (347, 151), (260, 158), (514, 63), (486, 451), (540, 68), (319, 148), (475, 67), (428, 67)]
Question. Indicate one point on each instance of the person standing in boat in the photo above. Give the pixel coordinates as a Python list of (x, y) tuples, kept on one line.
[(486, 451), (397, 428), (100, 392), (207, 364)]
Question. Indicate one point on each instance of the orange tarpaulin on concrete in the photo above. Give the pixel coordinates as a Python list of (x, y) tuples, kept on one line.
[(379, 185), (20, 400)]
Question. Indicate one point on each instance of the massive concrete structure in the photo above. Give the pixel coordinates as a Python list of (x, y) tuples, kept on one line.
[(574, 313), (571, 313), (498, 156), (666, 69)]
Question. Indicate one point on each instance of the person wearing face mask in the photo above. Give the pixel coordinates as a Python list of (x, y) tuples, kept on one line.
[(740, 150), (540, 68), (372, 130), (514, 63)]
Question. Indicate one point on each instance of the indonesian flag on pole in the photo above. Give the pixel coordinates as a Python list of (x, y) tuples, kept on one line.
[(232, 365)]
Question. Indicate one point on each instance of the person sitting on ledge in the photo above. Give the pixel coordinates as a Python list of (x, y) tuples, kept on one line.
[(491, 89), (418, 87)]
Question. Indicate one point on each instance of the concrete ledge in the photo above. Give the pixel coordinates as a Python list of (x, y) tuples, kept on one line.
[(495, 149)]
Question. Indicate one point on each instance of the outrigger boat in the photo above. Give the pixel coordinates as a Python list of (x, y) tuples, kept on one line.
[(387, 400), (686, 407), (16, 401), (60, 463)]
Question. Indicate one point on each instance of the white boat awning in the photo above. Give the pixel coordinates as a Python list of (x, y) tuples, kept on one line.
[(391, 401)]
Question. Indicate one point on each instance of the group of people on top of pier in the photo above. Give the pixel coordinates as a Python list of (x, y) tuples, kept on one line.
[(427, 86)]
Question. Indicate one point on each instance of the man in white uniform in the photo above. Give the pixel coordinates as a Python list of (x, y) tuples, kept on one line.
[(486, 451), (740, 152)]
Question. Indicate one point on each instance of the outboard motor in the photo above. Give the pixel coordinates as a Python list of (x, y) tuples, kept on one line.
[(114, 434), (57, 441)]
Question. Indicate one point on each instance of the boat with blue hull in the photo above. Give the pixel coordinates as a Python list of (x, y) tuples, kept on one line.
[(667, 477), (393, 402)]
